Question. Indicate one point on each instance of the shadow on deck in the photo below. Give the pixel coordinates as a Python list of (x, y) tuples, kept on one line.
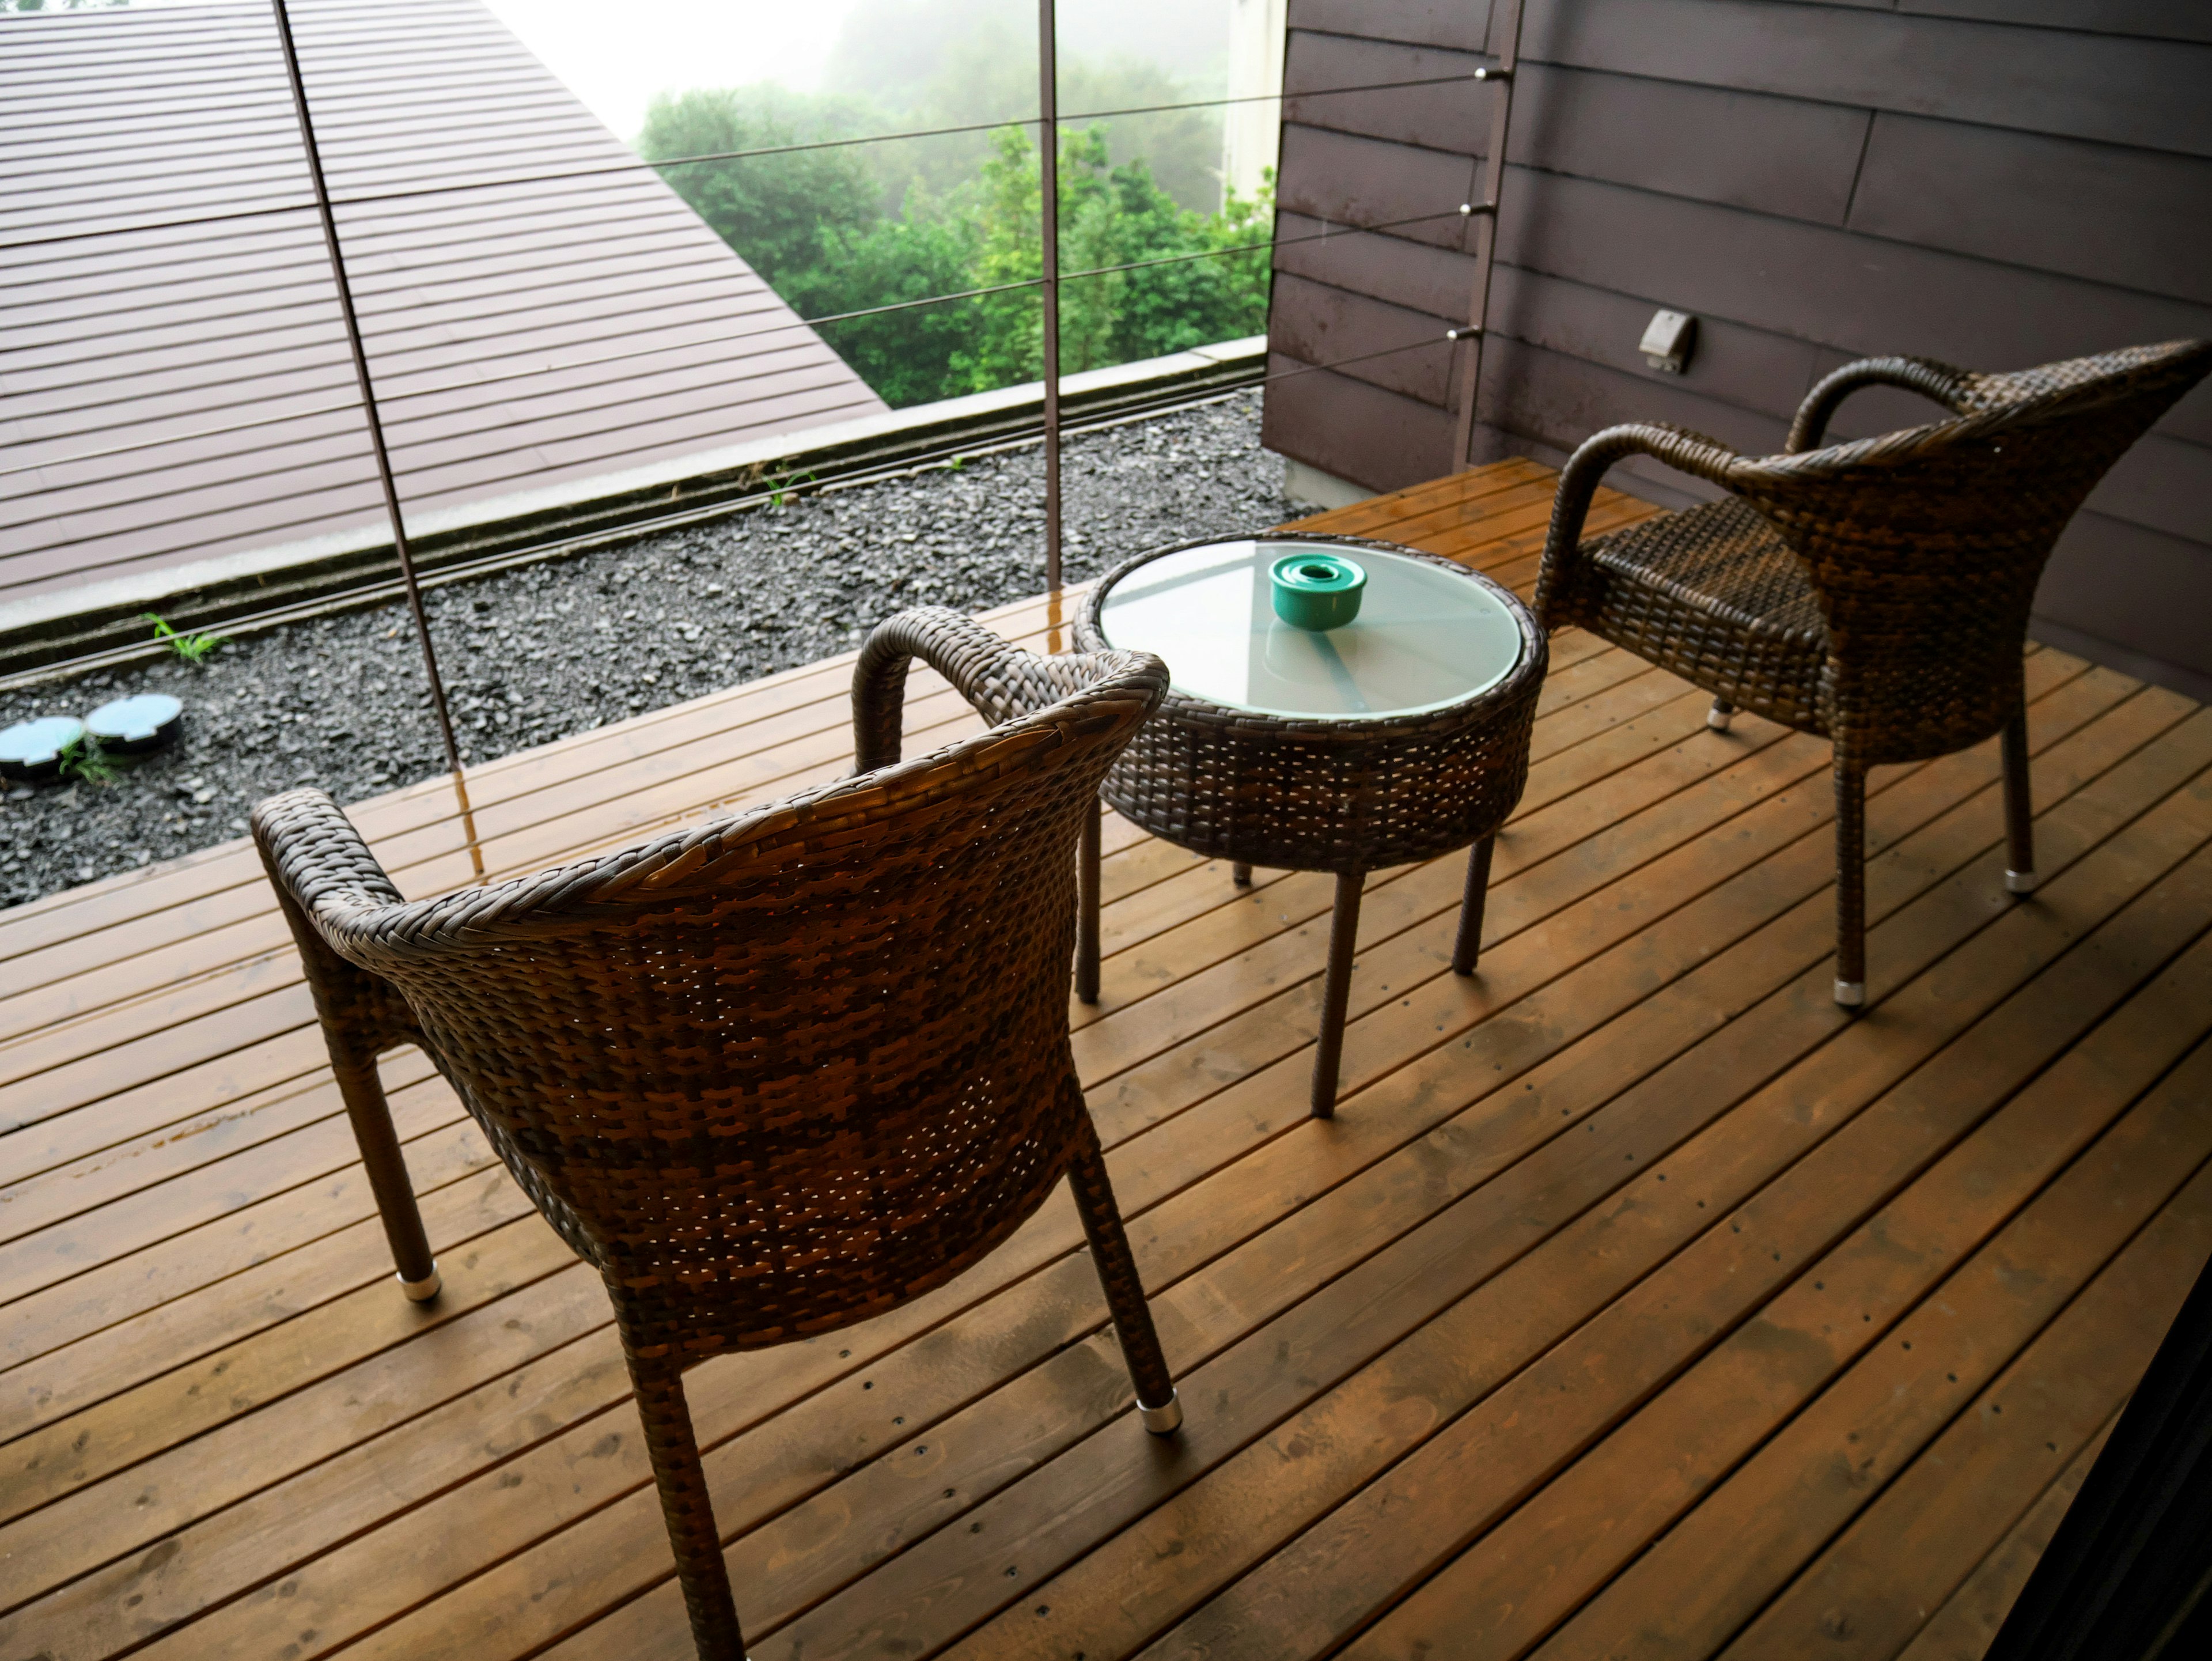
[(1639, 1302)]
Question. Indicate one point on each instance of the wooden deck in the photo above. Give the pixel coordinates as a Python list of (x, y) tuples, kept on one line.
[(1638, 1302)]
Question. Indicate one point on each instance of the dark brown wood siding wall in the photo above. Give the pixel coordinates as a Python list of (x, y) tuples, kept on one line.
[(1993, 182)]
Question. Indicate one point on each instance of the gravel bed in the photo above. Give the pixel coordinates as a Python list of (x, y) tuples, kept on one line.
[(537, 653)]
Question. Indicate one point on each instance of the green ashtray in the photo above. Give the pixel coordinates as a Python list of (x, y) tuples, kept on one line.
[(1315, 590)]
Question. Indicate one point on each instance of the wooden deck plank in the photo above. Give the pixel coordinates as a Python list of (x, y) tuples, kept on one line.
[(178, 1143), (953, 1579), (224, 1435), (1821, 1007), (1323, 1588), (1455, 879), (1962, 1630), (1617, 1497)]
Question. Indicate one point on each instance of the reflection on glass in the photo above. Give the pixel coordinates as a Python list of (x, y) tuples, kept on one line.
[(1425, 637)]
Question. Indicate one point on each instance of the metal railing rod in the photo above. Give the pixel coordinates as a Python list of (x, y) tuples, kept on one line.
[(1049, 279), (369, 415)]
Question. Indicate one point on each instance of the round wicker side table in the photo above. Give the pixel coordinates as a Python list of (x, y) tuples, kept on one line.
[(1398, 737)]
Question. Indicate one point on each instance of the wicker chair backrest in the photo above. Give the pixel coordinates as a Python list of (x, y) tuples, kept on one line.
[(781, 1072), (1925, 546)]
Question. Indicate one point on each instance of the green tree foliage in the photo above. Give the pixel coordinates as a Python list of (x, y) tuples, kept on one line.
[(911, 356), (818, 229), (773, 210)]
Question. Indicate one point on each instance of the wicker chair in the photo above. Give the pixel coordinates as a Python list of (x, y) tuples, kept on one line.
[(776, 1074), (1876, 593)]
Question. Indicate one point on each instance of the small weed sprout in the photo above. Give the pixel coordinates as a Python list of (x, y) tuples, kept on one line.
[(83, 758), (784, 487), (192, 648)]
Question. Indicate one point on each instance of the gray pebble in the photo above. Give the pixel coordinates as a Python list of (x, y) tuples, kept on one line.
[(549, 650)]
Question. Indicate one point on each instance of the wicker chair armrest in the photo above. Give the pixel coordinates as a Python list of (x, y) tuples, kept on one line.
[(315, 854), (1679, 448), (317, 862), (1955, 389), (1001, 681)]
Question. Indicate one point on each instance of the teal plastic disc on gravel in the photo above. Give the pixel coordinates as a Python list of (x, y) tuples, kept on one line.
[(1317, 591), (32, 749)]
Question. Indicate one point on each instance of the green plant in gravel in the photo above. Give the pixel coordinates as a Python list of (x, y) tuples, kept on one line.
[(83, 758), (786, 487), (192, 648)]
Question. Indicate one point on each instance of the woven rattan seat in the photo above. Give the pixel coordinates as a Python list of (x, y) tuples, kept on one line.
[(1875, 592), (776, 1074)]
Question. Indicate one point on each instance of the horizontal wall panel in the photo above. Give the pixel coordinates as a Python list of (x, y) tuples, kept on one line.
[(1317, 324), (1369, 181), (1820, 284), (2139, 218), (1365, 434), (1464, 24), (1783, 155), (1562, 400), (1438, 281), (1451, 117), (1764, 373), (1778, 155), (2113, 88), (2161, 484), (2136, 587), (2169, 19)]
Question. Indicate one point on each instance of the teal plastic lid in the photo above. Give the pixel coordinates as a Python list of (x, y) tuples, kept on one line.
[(1317, 590)]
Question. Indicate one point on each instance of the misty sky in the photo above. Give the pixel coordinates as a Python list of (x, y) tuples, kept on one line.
[(615, 58)]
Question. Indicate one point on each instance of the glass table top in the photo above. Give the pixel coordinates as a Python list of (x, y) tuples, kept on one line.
[(1423, 638)]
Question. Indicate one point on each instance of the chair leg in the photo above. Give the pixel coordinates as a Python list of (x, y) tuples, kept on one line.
[(1086, 909), (1851, 883), (1157, 1404), (685, 1507), (2020, 808), (1241, 874), (1720, 715), (1336, 995), (363, 1092), (1468, 947)]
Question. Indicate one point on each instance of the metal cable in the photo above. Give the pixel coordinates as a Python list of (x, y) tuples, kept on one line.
[(808, 325), (619, 169)]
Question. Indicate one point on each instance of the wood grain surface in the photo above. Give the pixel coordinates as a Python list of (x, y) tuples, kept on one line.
[(1638, 1300)]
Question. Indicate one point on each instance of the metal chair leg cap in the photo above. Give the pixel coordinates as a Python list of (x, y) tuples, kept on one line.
[(2020, 882), (1718, 719), (1164, 1420), (422, 1291), (1850, 993)]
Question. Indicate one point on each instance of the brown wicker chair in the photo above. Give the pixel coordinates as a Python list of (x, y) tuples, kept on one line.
[(777, 1074), (1876, 593)]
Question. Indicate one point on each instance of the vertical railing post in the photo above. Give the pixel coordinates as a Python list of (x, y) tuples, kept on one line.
[(1505, 21), (1048, 193), (370, 412)]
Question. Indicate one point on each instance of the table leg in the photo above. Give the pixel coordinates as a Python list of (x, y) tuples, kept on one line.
[(1086, 909), (1469, 947), (1241, 873), (1343, 933)]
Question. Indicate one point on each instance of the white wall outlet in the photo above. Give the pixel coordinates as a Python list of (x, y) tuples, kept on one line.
[(1667, 341)]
